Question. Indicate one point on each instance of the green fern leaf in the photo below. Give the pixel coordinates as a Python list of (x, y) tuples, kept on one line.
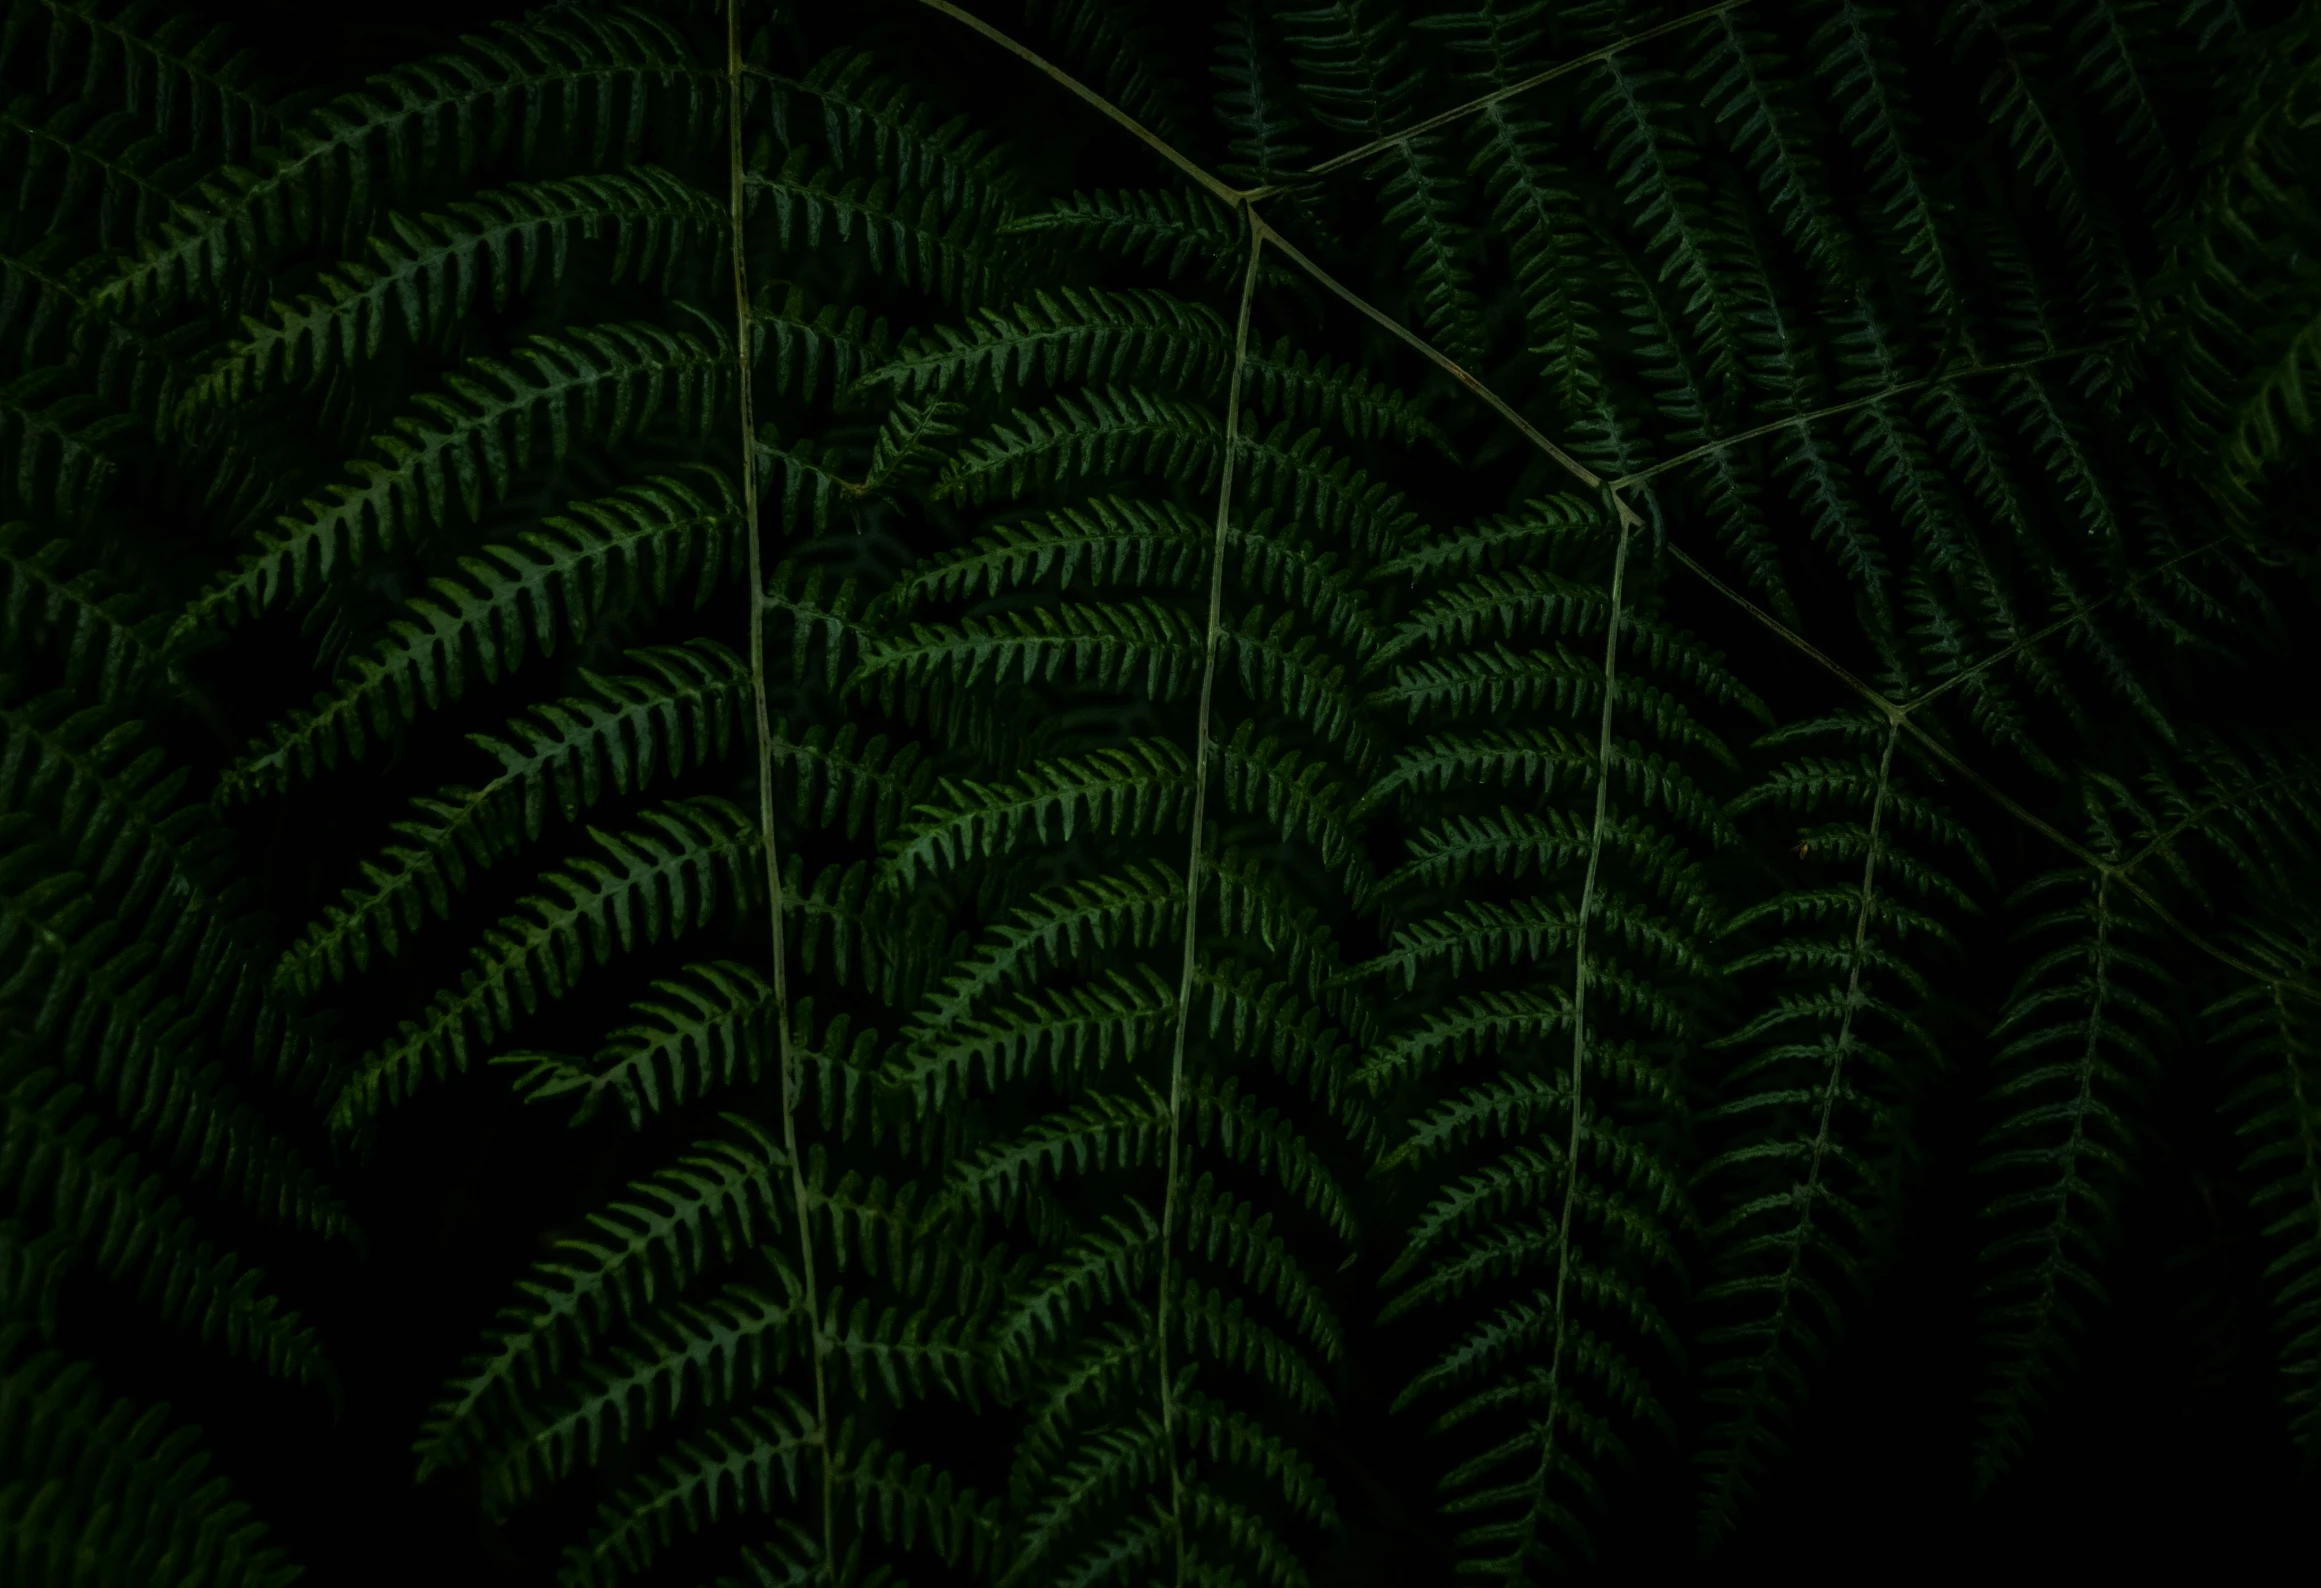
[(426, 274), (115, 1493), (623, 734), (664, 878), (570, 75), (604, 382), (555, 583)]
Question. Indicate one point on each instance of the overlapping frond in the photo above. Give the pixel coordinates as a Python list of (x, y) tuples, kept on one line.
[(466, 446), (638, 548), (575, 80), (1181, 838)]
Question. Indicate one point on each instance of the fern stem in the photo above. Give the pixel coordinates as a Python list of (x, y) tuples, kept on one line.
[(1216, 630), (1899, 715), (2058, 626), (1991, 1459), (1223, 191), (1443, 361), (1800, 421), (1720, 1503), (1524, 86), (1605, 750), (1587, 476), (765, 771)]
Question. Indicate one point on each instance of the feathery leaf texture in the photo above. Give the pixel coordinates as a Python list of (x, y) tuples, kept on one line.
[(1140, 929)]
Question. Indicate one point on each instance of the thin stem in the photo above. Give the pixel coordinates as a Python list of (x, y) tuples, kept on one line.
[(1578, 470), (1509, 92), (1900, 716), (1828, 663), (1222, 190), (1168, 1393), (2056, 627), (1991, 1461), (1797, 421), (1588, 477), (801, 1206), (1819, 1153), (1606, 748)]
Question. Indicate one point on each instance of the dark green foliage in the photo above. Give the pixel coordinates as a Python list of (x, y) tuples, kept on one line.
[(109, 1493), (1163, 892)]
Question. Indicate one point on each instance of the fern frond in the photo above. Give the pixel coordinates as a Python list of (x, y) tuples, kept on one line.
[(871, 119), (1817, 1105), (53, 1151), (1231, 1233), (1141, 339), (114, 1492), (1254, 103), (583, 78), (426, 273), (1292, 673), (120, 821), (626, 732), (1070, 1031), (1270, 1142), (555, 583), (1106, 1130), (602, 382), (1755, 103), (1078, 336), (2065, 1075), (1638, 129), (168, 68), (1129, 909), (1289, 382), (1532, 209), (1122, 645), (1231, 1438), (711, 1204), (2279, 1102), (1106, 1264), (1854, 51), (906, 1355), (1355, 73), (711, 1034), (717, 1350), (1217, 1324), (1146, 227), (905, 1498), (1122, 49), (1295, 794), (1104, 1466), (1466, 1027), (109, 642), (945, 255), (56, 450), (664, 878), (749, 1465), (1108, 431), (1136, 787), (90, 164)]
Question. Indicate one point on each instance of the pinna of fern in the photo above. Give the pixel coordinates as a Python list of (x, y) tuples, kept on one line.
[(1128, 1074), (2237, 317), (1531, 1063), (1817, 1105), (735, 1350), (1001, 1135), (139, 1149), (2277, 1110)]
